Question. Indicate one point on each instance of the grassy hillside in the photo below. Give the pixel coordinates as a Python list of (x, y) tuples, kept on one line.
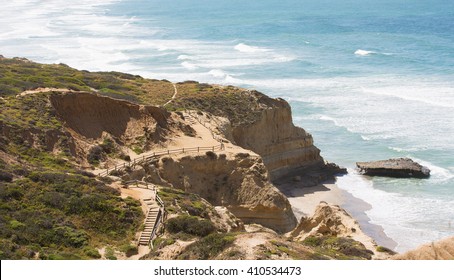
[(49, 208), (239, 105), (18, 75)]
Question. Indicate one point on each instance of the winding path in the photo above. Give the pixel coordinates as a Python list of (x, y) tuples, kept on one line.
[(173, 96)]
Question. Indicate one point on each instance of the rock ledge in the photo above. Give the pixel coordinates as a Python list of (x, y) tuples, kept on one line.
[(399, 168)]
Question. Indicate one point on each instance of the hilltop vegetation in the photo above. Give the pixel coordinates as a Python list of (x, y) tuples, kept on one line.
[(19, 75), (239, 105)]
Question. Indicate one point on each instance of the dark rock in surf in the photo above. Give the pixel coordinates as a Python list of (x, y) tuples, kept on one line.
[(398, 168)]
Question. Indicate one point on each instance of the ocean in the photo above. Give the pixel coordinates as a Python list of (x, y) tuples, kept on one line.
[(369, 79)]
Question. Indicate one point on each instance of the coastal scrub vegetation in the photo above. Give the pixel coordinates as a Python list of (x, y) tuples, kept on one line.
[(227, 101), (19, 75), (239, 105), (341, 248), (56, 215), (208, 247), (49, 208)]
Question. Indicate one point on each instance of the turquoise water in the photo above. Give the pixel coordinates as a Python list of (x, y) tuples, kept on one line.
[(369, 79)]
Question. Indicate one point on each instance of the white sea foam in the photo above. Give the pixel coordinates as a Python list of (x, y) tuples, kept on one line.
[(363, 52), (217, 73), (398, 214), (189, 66), (436, 172), (249, 49), (436, 95), (413, 149), (184, 57), (330, 119)]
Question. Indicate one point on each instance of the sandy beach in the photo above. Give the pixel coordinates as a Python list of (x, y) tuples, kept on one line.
[(304, 200)]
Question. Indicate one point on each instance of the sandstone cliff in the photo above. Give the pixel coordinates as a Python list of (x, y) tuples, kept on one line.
[(90, 118), (439, 250), (238, 181), (255, 122), (283, 146)]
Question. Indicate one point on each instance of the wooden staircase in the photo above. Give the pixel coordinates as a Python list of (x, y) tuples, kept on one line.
[(152, 222)]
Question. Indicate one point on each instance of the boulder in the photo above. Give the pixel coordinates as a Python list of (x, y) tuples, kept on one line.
[(399, 168)]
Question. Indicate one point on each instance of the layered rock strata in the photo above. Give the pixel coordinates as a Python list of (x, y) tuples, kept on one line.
[(400, 168), (283, 146), (238, 181), (91, 118)]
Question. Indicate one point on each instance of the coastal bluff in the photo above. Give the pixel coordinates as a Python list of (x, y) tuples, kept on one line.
[(213, 154), (256, 122), (283, 146)]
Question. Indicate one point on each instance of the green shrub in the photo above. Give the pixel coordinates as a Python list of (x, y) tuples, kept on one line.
[(385, 250), (95, 154), (92, 252), (208, 247), (338, 247), (159, 243), (71, 237), (211, 155), (6, 176), (312, 241), (190, 225), (110, 253), (129, 250), (107, 146)]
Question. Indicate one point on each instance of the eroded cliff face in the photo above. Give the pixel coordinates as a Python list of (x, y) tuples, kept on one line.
[(283, 146), (238, 181), (90, 118), (439, 250), (332, 221), (90, 115)]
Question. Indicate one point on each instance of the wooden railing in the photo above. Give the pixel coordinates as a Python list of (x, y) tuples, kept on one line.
[(203, 123), (153, 155), (159, 201), (155, 228), (160, 218)]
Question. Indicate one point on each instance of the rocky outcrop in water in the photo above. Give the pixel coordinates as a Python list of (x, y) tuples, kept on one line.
[(399, 168)]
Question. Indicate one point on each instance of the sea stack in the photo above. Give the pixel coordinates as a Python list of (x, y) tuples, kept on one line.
[(399, 168)]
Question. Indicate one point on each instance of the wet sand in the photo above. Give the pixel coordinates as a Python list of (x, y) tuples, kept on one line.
[(304, 200)]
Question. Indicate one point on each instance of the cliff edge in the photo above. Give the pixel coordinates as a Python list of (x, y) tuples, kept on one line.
[(255, 122)]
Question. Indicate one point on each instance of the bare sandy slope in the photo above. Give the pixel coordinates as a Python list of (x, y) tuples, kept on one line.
[(304, 200), (439, 250)]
